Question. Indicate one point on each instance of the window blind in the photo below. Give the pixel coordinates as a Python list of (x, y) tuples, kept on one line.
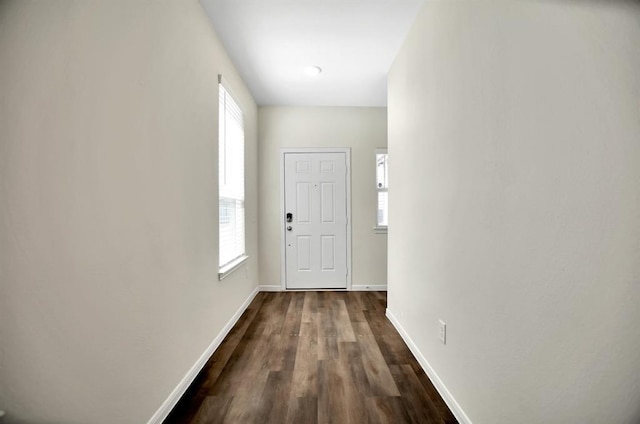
[(231, 179), (382, 186)]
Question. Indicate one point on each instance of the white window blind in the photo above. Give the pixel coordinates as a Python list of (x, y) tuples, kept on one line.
[(382, 186), (231, 180)]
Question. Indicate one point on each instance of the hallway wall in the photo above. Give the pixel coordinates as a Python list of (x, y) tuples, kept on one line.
[(362, 129), (515, 213), (108, 206)]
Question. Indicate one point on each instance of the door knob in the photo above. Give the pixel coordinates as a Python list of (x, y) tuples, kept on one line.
[(289, 228)]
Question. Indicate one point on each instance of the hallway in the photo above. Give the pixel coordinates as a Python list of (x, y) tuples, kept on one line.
[(313, 357)]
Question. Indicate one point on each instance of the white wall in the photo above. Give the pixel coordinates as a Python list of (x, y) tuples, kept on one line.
[(515, 216), (362, 129), (108, 206)]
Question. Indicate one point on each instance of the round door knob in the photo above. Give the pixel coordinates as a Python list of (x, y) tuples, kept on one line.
[(289, 228)]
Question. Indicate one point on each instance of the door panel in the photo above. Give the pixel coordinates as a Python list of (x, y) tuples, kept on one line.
[(316, 238), (304, 253), (303, 202), (328, 203), (328, 259)]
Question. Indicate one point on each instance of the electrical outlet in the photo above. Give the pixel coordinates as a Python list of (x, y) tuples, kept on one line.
[(443, 331)]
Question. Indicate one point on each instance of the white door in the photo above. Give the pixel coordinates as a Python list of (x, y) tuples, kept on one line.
[(315, 227)]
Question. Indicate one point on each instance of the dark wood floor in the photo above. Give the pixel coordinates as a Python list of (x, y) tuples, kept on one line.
[(313, 357)]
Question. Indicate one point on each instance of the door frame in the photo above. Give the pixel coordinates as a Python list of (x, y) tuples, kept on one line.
[(283, 152)]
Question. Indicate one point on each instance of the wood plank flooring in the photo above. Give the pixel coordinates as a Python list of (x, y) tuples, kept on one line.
[(312, 357)]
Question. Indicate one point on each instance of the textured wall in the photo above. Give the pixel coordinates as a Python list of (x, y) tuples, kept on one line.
[(515, 216), (108, 206)]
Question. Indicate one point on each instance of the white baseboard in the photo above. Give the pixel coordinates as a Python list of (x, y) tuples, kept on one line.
[(168, 405), (369, 287), (272, 288), (439, 385), (355, 287)]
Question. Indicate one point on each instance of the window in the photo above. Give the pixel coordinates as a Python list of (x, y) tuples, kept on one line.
[(382, 186), (230, 183)]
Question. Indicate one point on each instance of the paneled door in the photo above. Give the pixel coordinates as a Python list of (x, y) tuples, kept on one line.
[(315, 220)]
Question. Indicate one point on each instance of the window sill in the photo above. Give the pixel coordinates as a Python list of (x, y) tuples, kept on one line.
[(228, 269), (380, 230)]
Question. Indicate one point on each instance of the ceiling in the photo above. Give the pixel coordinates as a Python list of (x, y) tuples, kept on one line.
[(271, 42)]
